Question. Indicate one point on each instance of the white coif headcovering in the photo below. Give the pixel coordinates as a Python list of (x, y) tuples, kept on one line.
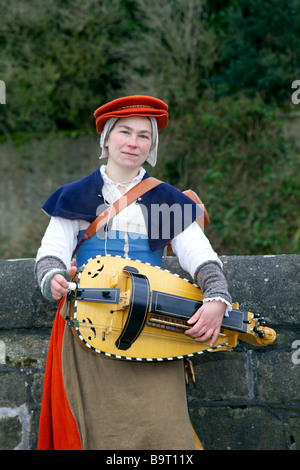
[(154, 139)]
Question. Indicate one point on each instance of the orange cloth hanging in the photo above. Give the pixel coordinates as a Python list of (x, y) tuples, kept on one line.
[(57, 429)]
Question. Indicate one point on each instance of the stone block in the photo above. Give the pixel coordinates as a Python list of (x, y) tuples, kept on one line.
[(10, 432), (278, 378), (21, 302), (219, 376), (13, 390), (239, 428)]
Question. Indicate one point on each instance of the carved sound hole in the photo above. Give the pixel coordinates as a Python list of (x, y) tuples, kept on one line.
[(95, 274), (92, 328)]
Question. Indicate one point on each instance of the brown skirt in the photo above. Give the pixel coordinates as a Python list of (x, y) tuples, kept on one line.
[(125, 405)]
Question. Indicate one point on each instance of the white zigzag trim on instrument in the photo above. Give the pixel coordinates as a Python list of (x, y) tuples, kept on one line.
[(138, 261)]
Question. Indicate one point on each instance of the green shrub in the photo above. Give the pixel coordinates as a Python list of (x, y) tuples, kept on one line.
[(234, 154)]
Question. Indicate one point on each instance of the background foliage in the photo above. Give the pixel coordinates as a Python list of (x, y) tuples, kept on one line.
[(224, 67)]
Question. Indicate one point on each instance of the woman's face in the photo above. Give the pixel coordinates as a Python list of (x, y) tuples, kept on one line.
[(129, 142)]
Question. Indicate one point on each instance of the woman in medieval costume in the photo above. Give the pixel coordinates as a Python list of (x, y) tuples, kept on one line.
[(91, 401)]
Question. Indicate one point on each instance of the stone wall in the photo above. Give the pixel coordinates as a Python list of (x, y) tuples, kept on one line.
[(245, 399)]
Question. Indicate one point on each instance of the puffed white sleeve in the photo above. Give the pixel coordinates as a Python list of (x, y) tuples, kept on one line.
[(57, 246), (196, 256), (193, 248)]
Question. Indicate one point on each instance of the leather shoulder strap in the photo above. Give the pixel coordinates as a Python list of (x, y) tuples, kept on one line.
[(132, 195), (192, 195)]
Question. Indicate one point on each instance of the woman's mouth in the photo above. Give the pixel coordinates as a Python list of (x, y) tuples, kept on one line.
[(130, 155)]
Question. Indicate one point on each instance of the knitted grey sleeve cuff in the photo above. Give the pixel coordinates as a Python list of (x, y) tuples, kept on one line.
[(45, 269), (212, 282), (46, 264)]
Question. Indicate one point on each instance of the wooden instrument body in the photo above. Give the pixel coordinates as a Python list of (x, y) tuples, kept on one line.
[(131, 310)]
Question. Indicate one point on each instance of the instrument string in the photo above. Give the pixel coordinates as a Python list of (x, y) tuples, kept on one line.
[(203, 346), (182, 339)]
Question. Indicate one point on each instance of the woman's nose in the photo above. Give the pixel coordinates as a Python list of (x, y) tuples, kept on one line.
[(132, 140)]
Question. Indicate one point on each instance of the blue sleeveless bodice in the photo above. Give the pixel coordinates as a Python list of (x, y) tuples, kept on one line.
[(118, 243)]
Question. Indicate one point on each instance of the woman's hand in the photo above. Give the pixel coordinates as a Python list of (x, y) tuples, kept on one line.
[(59, 285), (206, 322)]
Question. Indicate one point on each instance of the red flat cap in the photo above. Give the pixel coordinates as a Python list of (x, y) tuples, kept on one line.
[(137, 105)]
